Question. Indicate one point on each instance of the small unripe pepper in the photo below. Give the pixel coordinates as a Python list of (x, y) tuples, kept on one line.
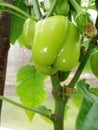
[(62, 7)]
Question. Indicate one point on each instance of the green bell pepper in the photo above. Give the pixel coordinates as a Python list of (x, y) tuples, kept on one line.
[(62, 7), (28, 32), (94, 63), (56, 45)]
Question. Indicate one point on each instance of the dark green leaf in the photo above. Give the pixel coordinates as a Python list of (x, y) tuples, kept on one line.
[(17, 22), (88, 116), (30, 87), (44, 110), (79, 2)]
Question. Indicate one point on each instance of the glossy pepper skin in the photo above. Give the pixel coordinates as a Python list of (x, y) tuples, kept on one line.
[(56, 45), (94, 63), (28, 32), (62, 7)]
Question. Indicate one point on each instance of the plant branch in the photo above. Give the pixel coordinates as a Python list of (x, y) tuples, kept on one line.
[(25, 107), (76, 6), (52, 9), (17, 9), (37, 9), (12, 12), (96, 3), (91, 46), (55, 82), (60, 102), (58, 118)]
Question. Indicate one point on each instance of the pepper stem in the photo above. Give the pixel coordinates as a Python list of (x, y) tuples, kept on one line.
[(37, 9), (60, 102), (25, 107), (76, 6), (52, 9), (59, 114), (91, 46)]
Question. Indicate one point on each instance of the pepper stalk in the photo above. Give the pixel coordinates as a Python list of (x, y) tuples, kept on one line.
[(60, 103)]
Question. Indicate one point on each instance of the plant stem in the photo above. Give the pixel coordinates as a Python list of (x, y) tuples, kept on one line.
[(13, 12), (25, 107), (59, 113), (60, 102), (55, 82), (96, 4), (17, 10), (52, 9), (30, 10), (76, 6), (91, 46), (96, 24), (37, 9)]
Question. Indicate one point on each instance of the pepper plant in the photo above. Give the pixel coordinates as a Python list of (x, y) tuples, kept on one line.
[(61, 36)]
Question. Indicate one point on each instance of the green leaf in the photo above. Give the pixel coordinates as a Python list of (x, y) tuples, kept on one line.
[(17, 22), (20, 41), (88, 116), (67, 108), (45, 111), (30, 87), (92, 1), (79, 2), (77, 99), (94, 91)]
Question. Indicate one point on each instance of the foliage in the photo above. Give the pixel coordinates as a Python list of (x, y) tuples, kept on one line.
[(87, 117), (17, 22), (30, 85)]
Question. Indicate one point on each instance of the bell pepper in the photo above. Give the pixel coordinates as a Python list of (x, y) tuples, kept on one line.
[(28, 32), (56, 45), (62, 7), (94, 63)]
